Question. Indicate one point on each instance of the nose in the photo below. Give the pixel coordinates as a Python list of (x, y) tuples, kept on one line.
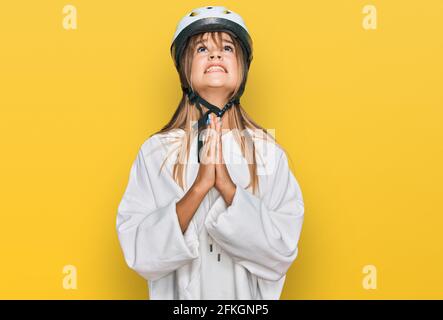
[(214, 53)]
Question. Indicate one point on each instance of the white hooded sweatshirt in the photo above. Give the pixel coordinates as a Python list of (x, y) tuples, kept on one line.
[(240, 251)]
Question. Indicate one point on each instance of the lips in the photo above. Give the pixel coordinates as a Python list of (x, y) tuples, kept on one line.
[(215, 68)]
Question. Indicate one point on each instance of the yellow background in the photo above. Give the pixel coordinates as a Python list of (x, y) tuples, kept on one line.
[(360, 113)]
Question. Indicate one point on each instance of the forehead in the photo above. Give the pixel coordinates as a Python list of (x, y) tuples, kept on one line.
[(207, 36)]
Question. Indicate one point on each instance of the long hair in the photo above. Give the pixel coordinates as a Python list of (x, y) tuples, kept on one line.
[(187, 114)]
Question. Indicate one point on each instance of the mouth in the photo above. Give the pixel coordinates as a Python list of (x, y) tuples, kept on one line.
[(215, 68)]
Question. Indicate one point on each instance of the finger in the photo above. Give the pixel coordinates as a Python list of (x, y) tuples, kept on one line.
[(219, 141), (213, 121), (216, 138), (208, 136), (211, 144), (205, 138), (218, 124), (219, 145), (208, 126), (208, 151), (211, 116), (218, 154), (211, 148)]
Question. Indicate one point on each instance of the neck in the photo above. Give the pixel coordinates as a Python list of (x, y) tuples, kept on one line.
[(215, 98), (219, 100)]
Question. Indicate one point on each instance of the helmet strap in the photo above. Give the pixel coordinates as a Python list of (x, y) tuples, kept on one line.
[(197, 100)]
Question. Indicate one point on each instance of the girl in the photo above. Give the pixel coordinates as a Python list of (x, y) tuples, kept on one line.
[(211, 209)]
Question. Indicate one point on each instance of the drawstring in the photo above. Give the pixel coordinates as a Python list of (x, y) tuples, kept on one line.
[(210, 240), (194, 98), (211, 246)]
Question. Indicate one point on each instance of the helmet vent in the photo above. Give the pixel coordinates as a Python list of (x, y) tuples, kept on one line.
[(193, 14)]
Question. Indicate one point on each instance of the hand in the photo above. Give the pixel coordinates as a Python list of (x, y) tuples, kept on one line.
[(206, 173), (223, 181)]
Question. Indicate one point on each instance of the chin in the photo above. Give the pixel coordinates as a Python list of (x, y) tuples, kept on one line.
[(216, 84)]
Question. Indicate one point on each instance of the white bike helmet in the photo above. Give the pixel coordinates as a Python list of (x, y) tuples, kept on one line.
[(206, 19), (210, 19)]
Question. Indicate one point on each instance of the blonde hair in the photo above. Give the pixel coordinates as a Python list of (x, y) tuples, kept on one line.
[(186, 114)]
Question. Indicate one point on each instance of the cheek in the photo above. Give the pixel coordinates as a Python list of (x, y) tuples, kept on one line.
[(198, 67), (233, 67)]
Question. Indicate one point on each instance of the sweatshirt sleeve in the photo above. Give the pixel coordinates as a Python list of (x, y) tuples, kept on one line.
[(262, 234), (150, 235)]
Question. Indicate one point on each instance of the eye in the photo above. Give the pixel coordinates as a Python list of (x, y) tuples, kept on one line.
[(230, 48), (201, 47)]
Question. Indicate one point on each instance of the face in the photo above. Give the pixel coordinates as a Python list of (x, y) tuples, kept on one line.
[(214, 68)]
